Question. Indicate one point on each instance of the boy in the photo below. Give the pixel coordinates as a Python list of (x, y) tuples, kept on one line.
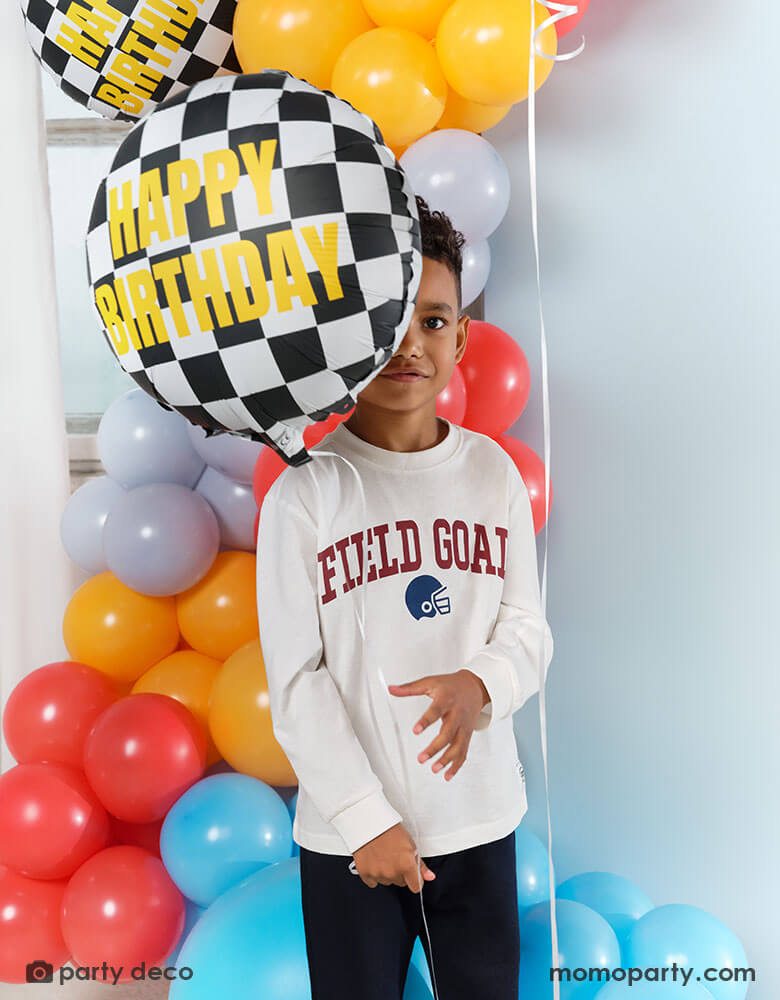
[(454, 619)]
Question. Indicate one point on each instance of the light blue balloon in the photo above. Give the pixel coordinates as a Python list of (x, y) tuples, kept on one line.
[(235, 508), (617, 899), (585, 940), (463, 175), (250, 942), (160, 539), (420, 963), (222, 829), (533, 869), (689, 936), (291, 804), (653, 991), (192, 914), (231, 455), (139, 442), (81, 525)]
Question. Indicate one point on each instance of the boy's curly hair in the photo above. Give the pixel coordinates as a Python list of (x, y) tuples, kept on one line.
[(441, 241)]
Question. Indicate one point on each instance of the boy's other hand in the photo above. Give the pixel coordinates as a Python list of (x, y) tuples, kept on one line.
[(458, 698), (390, 859)]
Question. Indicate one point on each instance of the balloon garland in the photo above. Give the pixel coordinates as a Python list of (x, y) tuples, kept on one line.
[(209, 212)]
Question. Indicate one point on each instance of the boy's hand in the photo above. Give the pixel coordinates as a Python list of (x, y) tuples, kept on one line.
[(390, 859), (458, 698)]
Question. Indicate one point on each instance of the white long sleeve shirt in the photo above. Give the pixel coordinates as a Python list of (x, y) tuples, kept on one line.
[(447, 542)]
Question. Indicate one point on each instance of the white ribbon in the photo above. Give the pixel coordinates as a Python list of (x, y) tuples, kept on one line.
[(563, 10)]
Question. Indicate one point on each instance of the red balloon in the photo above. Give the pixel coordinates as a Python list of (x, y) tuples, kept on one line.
[(52, 821), (565, 25), (122, 907), (51, 710), (270, 466), (146, 835), (29, 924), (144, 752), (451, 401), (497, 379), (314, 433), (531, 468)]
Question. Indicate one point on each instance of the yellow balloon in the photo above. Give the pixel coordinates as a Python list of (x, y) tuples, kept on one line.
[(188, 677), (422, 16), (240, 718), (470, 116), (393, 76), (116, 630), (219, 613), (304, 37), (483, 49)]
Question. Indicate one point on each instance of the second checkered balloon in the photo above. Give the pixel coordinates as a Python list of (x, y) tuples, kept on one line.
[(254, 256), (123, 57)]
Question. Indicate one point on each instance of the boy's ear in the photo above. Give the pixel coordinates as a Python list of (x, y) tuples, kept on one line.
[(461, 337)]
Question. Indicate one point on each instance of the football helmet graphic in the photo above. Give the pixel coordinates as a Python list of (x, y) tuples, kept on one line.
[(425, 597)]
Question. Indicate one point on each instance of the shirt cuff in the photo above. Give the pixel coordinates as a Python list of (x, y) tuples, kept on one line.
[(497, 678), (366, 819)]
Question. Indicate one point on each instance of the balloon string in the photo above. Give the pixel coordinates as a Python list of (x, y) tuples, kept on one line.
[(361, 620), (563, 10)]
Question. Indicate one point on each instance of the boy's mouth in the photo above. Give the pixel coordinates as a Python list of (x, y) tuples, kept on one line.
[(405, 376)]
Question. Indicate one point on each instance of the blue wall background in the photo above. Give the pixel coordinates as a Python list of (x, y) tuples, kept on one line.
[(658, 167)]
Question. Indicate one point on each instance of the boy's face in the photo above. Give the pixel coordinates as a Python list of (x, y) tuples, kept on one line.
[(432, 346)]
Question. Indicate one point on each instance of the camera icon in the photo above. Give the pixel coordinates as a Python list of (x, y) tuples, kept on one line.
[(39, 972)]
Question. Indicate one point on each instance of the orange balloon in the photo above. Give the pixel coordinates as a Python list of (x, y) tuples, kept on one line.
[(186, 676), (112, 628), (468, 115), (422, 16), (393, 76), (482, 48), (304, 37), (219, 613), (240, 718)]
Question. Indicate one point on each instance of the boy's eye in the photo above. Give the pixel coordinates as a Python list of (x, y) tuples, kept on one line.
[(435, 319)]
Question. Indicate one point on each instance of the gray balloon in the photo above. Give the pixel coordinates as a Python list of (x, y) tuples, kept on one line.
[(231, 455), (235, 507), (476, 268), (139, 442), (160, 539), (81, 525), (461, 174)]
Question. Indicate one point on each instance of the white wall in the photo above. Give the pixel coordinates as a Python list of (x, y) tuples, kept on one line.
[(658, 167)]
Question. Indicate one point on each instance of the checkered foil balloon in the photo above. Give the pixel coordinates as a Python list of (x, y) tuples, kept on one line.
[(254, 256), (121, 58)]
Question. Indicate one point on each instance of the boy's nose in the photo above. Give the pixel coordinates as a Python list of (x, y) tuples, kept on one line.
[(410, 347)]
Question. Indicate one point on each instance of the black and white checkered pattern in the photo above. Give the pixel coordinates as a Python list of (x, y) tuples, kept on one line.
[(267, 379), (205, 51)]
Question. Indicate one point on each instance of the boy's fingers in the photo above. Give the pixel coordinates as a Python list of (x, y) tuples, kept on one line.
[(439, 743), (420, 686), (427, 718), (413, 878)]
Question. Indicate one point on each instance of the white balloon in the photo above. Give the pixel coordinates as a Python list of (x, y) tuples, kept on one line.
[(476, 268), (461, 174)]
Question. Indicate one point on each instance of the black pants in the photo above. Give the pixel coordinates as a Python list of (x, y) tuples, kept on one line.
[(359, 940)]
